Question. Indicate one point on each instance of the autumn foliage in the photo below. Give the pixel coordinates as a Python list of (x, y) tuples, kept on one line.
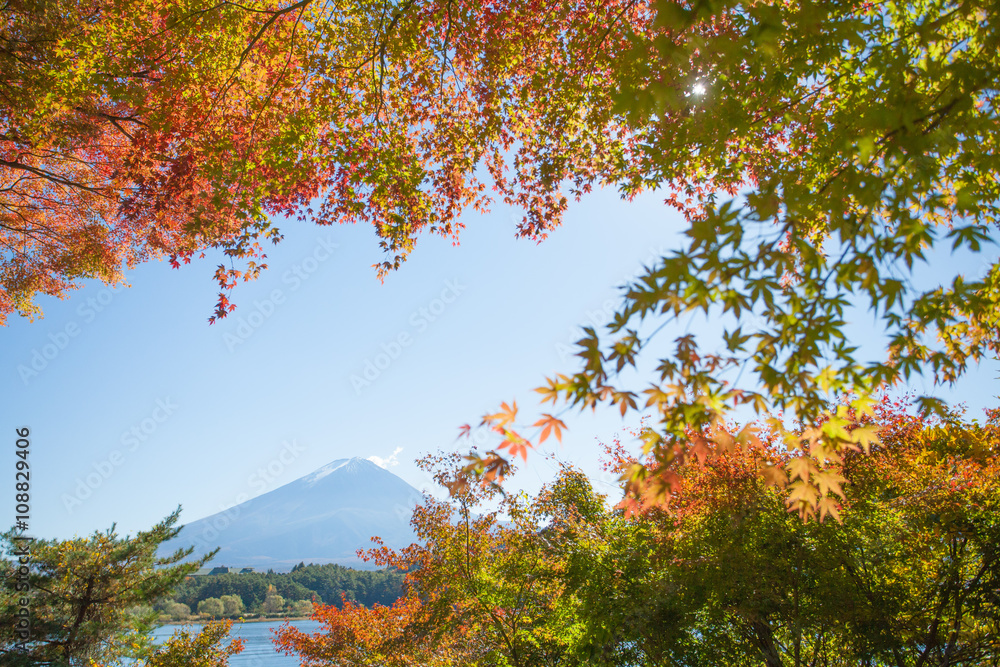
[(721, 573), (134, 131), (818, 153), (481, 589), (367, 636), (906, 575)]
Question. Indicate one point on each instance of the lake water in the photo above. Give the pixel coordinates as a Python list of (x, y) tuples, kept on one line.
[(258, 649)]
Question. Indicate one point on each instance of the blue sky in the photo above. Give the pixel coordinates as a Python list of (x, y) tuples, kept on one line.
[(136, 404)]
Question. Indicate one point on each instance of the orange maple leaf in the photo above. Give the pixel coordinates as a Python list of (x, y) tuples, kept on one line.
[(552, 426), (517, 445), (507, 415)]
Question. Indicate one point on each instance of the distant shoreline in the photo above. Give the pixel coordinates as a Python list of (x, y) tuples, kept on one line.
[(245, 620)]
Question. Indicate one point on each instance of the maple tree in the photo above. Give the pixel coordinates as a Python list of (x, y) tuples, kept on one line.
[(89, 601), (131, 131), (194, 121), (721, 574), (818, 151), (726, 576), (481, 590)]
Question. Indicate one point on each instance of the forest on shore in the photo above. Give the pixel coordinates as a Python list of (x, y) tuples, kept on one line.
[(278, 594)]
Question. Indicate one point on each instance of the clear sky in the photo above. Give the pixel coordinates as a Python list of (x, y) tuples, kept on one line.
[(136, 404)]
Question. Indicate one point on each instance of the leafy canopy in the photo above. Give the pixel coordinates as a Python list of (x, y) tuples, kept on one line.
[(134, 130), (726, 576), (820, 151)]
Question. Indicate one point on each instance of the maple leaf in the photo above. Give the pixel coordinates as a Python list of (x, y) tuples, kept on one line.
[(726, 442), (801, 467), (865, 436), (749, 436), (774, 475), (700, 449), (827, 506), (551, 425), (458, 486), (517, 445), (828, 481), (496, 469), (507, 415), (802, 498)]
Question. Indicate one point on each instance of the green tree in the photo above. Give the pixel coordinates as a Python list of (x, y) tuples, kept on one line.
[(725, 575), (213, 607), (324, 582), (83, 595), (273, 604), (177, 611), (232, 605), (302, 608)]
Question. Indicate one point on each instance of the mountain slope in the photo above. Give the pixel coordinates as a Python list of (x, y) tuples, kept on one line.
[(324, 517)]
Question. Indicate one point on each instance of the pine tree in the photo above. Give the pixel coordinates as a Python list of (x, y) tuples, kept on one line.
[(88, 599)]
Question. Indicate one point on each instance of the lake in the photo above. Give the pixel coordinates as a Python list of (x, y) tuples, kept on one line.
[(258, 650)]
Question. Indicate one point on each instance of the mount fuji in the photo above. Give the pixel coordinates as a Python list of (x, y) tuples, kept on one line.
[(323, 517)]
